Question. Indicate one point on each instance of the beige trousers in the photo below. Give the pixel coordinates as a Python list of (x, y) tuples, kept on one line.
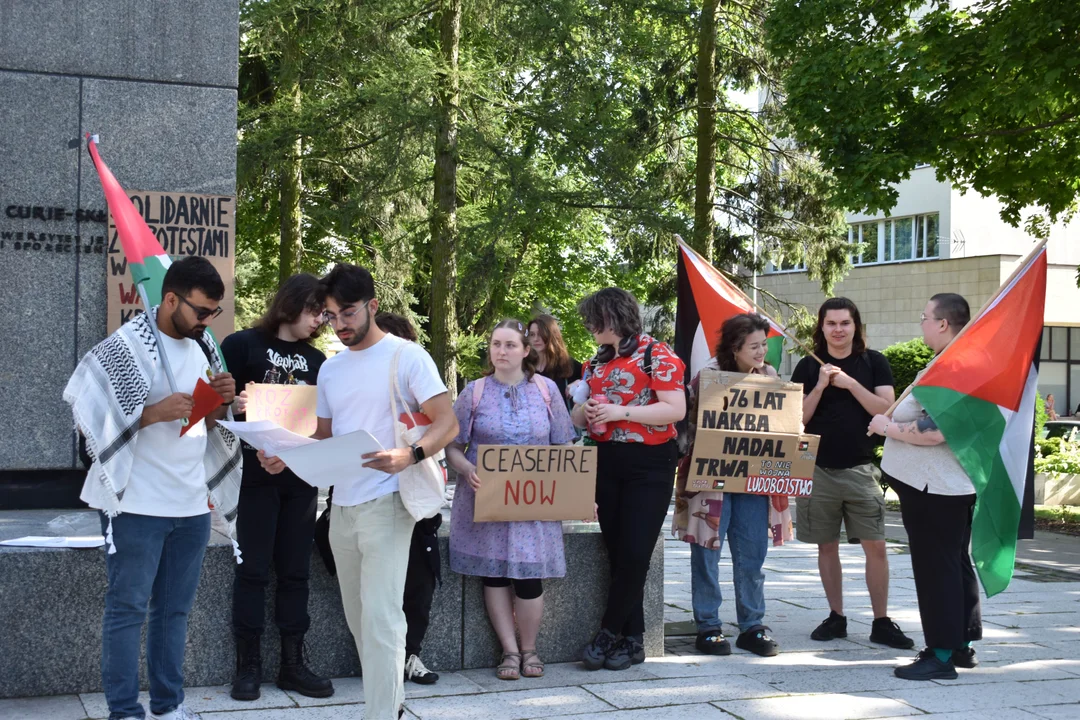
[(371, 547)]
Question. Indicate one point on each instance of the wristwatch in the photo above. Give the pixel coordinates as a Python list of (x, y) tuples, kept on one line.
[(417, 453)]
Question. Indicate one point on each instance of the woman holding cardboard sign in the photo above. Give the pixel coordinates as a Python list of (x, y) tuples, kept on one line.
[(637, 390), (510, 405), (704, 519)]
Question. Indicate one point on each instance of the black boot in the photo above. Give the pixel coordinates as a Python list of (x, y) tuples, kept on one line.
[(295, 674), (245, 684)]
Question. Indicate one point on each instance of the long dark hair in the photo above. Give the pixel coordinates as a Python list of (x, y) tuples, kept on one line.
[(733, 334), (299, 293), (556, 356), (529, 363), (858, 343), (395, 324)]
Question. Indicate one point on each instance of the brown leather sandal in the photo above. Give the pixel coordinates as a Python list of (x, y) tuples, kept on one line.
[(510, 667), (531, 668)]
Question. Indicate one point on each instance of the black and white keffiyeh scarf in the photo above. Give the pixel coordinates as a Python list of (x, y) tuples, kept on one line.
[(107, 393)]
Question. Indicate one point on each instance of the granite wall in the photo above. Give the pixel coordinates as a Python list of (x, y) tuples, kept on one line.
[(156, 81), (53, 600)]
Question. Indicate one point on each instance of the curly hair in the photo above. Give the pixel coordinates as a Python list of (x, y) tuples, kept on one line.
[(733, 334)]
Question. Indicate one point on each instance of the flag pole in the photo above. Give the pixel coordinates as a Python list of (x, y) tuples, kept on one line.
[(1023, 263), (756, 307)]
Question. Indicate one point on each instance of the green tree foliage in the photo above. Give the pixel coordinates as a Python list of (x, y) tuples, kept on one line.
[(907, 359), (988, 94), (575, 155)]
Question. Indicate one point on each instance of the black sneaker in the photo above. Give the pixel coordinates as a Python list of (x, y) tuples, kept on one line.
[(926, 667), (886, 632), (832, 628), (757, 641), (596, 652), (712, 643), (415, 671), (628, 651), (965, 658)]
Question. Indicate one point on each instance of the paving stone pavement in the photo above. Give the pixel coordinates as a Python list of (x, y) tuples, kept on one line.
[(1030, 661)]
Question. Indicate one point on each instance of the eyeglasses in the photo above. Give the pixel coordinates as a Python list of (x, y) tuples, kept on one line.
[(202, 313), (923, 318), (330, 318)]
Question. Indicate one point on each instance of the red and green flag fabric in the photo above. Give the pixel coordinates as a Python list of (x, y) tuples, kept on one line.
[(981, 393), (705, 300), (146, 258)]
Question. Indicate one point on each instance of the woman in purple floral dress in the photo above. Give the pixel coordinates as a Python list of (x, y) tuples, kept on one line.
[(513, 406)]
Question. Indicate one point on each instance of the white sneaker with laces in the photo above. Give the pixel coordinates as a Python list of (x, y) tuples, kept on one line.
[(415, 671), (180, 713)]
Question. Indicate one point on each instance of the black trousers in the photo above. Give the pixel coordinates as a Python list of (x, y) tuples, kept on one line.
[(420, 581), (275, 523), (634, 483), (939, 533)]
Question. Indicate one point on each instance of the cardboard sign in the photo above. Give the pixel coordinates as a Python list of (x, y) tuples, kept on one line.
[(756, 463), (289, 406), (185, 224), (748, 403), (535, 482)]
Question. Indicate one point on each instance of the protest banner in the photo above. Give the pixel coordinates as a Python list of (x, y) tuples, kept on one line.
[(535, 482), (184, 224), (748, 403), (289, 406), (756, 463)]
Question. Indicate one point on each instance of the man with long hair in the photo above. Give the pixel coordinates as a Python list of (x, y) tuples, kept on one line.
[(276, 521), (853, 385)]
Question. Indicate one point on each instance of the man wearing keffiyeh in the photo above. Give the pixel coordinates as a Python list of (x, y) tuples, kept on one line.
[(156, 488)]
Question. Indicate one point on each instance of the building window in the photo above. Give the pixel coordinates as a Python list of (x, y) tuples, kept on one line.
[(915, 237), (1059, 368)]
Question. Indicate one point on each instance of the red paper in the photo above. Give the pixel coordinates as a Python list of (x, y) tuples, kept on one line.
[(421, 419), (207, 400)]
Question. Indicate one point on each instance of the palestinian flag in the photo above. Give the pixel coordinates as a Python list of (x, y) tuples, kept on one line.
[(981, 393), (705, 300), (146, 258)]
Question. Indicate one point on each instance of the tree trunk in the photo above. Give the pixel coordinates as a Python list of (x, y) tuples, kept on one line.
[(705, 190), (290, 184), (444, 211)]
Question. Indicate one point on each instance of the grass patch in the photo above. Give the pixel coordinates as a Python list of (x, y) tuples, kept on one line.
[(1063, 519)]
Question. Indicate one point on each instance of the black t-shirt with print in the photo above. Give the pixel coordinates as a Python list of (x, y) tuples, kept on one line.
[(254, 357), (839, 418)]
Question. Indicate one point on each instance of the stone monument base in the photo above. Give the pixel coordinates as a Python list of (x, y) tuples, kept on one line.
[(53, 601)]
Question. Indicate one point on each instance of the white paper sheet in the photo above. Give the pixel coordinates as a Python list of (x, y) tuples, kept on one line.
[(91, 541), (266, 436), (333, 460)]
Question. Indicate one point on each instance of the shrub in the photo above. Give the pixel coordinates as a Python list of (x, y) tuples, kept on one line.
[(1040, 416), (906, 360), (1063, 462)]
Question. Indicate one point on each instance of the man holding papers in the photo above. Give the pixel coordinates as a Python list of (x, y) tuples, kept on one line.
[(370, 530)]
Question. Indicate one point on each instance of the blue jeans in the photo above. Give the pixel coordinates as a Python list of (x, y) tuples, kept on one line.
[(744, 521), (156, 565)]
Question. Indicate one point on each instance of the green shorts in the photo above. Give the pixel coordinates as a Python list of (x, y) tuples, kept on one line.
[(852, 496)]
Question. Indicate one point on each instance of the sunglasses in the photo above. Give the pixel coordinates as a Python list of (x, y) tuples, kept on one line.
[(202, 313)]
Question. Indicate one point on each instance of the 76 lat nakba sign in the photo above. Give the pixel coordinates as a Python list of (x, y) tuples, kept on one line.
[(749, 437)]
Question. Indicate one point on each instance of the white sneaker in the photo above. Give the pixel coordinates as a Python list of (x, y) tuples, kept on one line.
[(180, 713), (415, 671)]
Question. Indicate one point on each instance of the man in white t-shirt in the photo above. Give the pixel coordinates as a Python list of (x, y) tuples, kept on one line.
[(370, 530), (156, 516)]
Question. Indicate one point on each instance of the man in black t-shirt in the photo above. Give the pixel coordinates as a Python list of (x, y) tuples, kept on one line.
[(275, 520), (841, 398)]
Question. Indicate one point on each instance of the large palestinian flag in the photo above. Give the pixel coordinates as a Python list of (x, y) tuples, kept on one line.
[(705, 300), (981, 393)]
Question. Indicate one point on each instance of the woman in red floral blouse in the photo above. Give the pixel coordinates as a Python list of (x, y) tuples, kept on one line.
[(637, 389)]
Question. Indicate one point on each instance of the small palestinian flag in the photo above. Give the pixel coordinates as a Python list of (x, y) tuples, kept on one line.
[(146, 258), (705, 300), (981, 393)]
